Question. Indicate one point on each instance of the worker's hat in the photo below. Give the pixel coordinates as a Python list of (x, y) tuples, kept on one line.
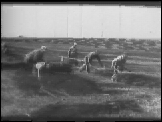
[(43, 47), (75, 44)]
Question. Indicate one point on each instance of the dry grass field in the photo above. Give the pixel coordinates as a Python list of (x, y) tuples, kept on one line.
[(136, 94)]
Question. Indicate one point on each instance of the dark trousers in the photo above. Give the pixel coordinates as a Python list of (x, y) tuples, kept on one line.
[(85, 67)]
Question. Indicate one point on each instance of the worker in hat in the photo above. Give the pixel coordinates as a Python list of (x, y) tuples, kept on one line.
[(118, 64), (35, 56), (72, 52)]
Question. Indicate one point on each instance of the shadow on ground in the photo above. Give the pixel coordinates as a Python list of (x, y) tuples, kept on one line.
[(140, 80), (133, 78), (71, 84), (26, 82), (111, 107), (104, 72)]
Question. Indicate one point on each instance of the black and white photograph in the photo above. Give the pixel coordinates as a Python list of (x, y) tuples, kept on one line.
[(87, 61)]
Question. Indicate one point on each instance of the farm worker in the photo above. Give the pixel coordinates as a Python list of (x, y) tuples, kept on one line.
[(72, 52), (85, 65), (94, 55), (118, 64), (88, 60), (35, 56)]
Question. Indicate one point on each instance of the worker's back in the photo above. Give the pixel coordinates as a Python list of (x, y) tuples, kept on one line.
[(73, 49), (72, 53), (34, 56), (120, 60), (92, 55)]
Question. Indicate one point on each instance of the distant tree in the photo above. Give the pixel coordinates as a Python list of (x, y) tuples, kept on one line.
[(154, 49), (132, 40), (96, 44), (141, 47), (125, 45), (158, 42), (135, 42), (151, 43), (112, 40), (65, 42), (141, 41), (122, 39), (21, 36), (108, 44)]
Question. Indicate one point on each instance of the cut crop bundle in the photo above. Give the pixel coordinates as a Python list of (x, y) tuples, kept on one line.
[(54, 67), (72, 61)]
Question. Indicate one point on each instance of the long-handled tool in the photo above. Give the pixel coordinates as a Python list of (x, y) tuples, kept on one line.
[(39, 66)]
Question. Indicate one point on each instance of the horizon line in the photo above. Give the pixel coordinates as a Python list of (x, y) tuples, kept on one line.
[(83, 37)]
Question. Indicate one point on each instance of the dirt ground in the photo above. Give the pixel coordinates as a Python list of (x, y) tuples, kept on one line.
[(136, 94)]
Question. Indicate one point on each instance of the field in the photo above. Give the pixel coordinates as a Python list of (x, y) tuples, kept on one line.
[(137, 94)]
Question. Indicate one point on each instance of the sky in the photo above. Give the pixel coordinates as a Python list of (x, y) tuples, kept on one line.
[(80, 21)]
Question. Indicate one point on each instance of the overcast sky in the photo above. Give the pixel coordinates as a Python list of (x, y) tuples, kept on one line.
[(80, 21)]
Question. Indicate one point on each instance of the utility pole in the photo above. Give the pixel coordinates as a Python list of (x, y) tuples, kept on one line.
[(81, 24), (120, 20), (102, 31), (67, 21), (102, 23), (35, 21)]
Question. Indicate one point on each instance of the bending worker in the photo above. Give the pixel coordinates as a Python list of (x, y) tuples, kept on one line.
[(35, 56), (88, 60), (118, 64), (72, 52)]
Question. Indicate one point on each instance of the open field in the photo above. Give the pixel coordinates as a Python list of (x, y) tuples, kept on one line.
[(137, 94)]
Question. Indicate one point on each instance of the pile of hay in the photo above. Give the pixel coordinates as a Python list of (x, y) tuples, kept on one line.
[(71, 61), (54, 67)]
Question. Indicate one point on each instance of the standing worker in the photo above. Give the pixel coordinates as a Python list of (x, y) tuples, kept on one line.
[(118, 64), (73, 52)]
